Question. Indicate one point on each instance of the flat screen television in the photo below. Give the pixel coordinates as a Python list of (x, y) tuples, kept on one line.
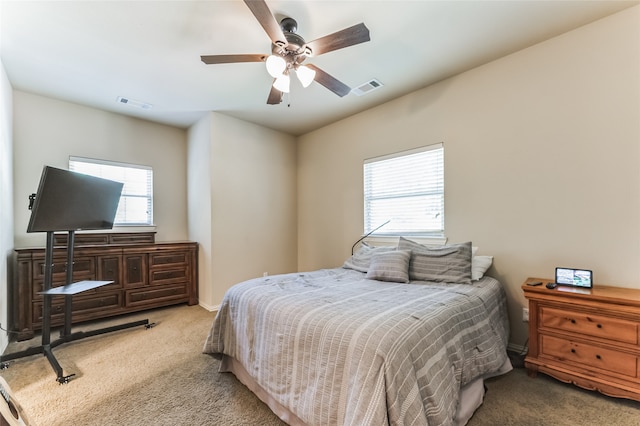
[(70, 201)]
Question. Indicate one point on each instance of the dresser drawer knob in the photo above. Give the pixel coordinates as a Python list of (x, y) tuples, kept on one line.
[(598, 357), (573, 321), (573, 351), (599, 326)]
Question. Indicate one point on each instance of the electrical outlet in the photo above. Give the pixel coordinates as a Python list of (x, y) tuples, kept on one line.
[(525, 314)]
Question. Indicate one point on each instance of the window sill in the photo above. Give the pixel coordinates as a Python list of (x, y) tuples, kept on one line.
[(123, 228), (134, 228), (392, 240)]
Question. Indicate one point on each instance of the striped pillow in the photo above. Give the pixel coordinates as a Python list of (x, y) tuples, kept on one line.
[(448, 264), (362, 258), (390, 266)]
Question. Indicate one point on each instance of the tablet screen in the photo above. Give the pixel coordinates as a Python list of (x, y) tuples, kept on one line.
[(574, 277)]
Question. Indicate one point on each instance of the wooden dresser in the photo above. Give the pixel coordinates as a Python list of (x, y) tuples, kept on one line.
[(146, 275), (588, 337)]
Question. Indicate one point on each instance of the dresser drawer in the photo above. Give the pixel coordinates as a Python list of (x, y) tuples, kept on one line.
[(585, 355), (592, 325), (80, 306), (83, 268), (158, 295), (162, 259), (38, 286), (169, 276)]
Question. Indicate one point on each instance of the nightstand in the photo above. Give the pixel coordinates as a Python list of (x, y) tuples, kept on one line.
[(588, 337)]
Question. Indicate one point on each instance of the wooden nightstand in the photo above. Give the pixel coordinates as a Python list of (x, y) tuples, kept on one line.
[(588, 337)]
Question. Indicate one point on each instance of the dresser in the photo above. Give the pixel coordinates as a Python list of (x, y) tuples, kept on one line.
[(145, 275), (588, 337)]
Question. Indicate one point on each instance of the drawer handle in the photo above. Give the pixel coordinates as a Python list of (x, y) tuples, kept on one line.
[(573, 351), (573, 321), (66, 264), (598, 357), (43, 267), (599, 326)]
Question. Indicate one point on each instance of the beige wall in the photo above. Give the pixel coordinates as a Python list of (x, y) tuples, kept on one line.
[(250, 195), (48, 131), (6, 200), (241, 180), (542, 161), (199, 204)]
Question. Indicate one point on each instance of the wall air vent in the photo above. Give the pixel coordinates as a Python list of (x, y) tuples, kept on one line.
[(134, 103), (367, 87)]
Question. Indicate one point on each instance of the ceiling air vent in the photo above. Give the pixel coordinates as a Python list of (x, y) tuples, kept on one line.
[(134, 103), (367, 87)]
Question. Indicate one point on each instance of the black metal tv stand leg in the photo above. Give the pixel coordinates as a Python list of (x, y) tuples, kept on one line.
[(46, 312), (46, 346), (65, 335), (61, 378)]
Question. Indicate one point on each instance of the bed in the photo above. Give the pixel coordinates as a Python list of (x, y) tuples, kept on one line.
[(346, 346)]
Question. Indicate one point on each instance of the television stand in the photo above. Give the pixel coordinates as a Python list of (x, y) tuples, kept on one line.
[(67, 291)]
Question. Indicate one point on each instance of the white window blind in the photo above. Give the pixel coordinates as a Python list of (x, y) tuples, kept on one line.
[(408, 188), (136, 201)]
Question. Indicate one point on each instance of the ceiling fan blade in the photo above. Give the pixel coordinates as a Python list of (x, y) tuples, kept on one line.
[(229, 59), (275, 96), (330, 82), (348, 37), (262, 13)]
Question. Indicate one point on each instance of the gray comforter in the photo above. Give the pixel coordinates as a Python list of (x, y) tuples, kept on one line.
[(338, 349)]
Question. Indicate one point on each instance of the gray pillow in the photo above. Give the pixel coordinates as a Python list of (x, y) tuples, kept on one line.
[(362, 258), (449, 263), (390, 266)]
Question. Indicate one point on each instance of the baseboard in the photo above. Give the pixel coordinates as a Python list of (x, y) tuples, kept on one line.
[(210, 308)]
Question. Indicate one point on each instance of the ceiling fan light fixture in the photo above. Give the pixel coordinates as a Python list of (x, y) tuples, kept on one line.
[(289, 50), (282, 83), (276, 65), (305, 75)]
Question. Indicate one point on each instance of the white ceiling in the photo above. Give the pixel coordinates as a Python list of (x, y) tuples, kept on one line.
[(91, 52)]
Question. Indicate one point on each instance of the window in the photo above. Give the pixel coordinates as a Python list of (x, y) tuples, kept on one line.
[(136, 201), (408, 189)]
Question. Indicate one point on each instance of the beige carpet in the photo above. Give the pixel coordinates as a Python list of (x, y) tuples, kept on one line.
[(160, 377)]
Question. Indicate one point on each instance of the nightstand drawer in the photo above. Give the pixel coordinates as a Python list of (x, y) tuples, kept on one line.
[(589, 356), (592, 325)]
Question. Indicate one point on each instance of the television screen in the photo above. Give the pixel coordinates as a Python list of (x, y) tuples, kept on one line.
[(70, 201)]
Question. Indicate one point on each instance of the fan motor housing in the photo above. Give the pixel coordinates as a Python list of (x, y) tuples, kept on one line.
[(296, 51), (296, 44)]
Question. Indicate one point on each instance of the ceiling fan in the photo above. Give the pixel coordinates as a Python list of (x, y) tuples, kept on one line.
[(289, 51)]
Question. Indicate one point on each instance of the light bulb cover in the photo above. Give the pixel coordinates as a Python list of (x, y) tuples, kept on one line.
[(282, 83), (275, 65), (305, 75)]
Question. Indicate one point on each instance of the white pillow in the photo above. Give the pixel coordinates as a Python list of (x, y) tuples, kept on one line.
[(479, 265)]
